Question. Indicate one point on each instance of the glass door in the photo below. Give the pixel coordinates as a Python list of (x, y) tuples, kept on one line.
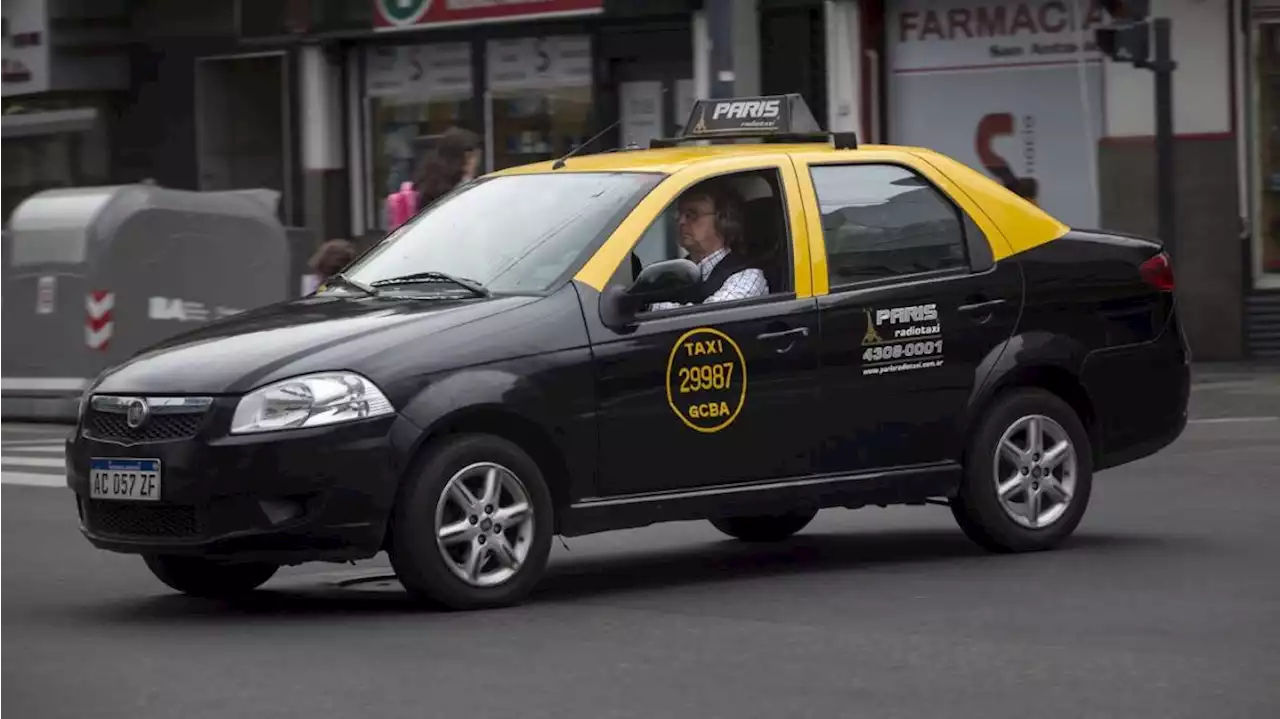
[(538, 102), (401, 128), (243, 125), (413, 93), (1266, 235)]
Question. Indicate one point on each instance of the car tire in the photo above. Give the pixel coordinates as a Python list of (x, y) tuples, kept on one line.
[(764, 528), (1057, 478), (470, 568), (200, 577)]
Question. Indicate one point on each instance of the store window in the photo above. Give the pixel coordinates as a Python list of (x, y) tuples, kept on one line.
[(539, 98), (1267, 245), (33, 164), (52, 140), (414, 92)]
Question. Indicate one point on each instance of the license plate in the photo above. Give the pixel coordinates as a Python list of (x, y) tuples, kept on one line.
[(117, 478)]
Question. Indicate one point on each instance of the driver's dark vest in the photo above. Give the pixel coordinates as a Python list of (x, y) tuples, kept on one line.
[(732, 264)]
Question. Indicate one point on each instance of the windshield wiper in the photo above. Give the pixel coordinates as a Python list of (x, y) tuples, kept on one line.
[(341, 278), (433, 276)]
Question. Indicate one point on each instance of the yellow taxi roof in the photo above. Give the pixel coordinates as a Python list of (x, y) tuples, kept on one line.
[(1010, 222), (1013, 223), (668, 160)]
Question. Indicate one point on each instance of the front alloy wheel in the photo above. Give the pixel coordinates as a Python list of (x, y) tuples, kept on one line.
[(472, 526), (484, 524)]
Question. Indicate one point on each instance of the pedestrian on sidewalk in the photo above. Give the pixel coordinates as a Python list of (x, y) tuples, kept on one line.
[(402, 205), (455, 159), (329, 259)]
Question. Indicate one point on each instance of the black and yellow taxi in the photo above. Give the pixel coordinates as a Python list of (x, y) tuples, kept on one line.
[(747, 323)]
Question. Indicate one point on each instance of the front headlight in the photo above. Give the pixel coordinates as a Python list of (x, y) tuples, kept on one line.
[(309, 401), (83, 403)]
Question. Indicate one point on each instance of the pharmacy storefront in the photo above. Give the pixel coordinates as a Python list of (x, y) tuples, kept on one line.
[(519, 75), (1013, 87)]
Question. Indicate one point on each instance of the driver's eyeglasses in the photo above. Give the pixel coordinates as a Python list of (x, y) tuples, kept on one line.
[(692, 215)]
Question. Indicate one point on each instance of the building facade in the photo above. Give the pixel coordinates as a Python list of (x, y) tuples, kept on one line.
[(332, 102), (65, 69), (536, 79), (1028, 98)]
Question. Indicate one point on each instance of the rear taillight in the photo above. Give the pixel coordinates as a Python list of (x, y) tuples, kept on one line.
[(1158, 272)]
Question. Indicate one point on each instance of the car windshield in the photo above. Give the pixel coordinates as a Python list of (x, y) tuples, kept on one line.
[(510, 234)]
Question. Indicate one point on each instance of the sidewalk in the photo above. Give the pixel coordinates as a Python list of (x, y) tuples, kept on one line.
[(1236, 371)]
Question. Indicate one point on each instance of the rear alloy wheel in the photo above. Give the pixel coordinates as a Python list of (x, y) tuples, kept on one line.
[(474, 528), (764, 528), (1028, 475), (206, 578)]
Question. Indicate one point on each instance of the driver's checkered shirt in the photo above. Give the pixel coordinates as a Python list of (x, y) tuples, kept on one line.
[(738, 286)]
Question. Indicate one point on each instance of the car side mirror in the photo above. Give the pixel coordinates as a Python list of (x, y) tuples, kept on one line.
[(666, 281)]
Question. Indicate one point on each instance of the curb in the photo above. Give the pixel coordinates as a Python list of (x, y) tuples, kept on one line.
[(1217, 372)]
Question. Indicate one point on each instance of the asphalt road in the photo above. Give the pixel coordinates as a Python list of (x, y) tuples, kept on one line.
[(1166, 604)]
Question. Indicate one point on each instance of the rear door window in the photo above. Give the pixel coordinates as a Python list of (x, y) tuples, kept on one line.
[(881, 221)]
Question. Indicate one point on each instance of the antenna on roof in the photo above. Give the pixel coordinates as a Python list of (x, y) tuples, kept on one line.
[(560, 163)]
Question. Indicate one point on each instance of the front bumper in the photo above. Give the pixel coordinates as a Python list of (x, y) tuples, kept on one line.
[(287, 497)]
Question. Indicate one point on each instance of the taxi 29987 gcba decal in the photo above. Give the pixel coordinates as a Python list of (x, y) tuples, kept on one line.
[(743, 332)]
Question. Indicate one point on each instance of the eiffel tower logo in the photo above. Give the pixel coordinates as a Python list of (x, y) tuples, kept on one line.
[(701, 125), (871, 337)]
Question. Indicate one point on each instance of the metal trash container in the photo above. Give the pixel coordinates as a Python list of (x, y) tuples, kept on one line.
[(92, 275)]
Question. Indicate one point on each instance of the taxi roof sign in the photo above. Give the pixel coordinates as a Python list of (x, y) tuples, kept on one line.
[(755, 115), (768, 117)]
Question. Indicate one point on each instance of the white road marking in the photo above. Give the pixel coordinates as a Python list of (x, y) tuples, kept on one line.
[(34, 462), (33, 480), (36, 430), (1223, 420), (1239, 384), (32, 444), (53, 462), (64, 384), (34, 449)]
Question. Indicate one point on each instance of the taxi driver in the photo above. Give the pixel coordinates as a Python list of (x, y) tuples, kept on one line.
[(710, 224)]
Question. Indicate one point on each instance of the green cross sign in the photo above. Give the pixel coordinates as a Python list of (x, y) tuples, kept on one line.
[(403, 12)]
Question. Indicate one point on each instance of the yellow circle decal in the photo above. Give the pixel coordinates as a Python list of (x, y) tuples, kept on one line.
[(706, 379)]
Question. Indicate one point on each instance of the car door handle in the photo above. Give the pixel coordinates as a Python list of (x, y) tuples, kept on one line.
[(983, 306), (783, 334), (801, 331)]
